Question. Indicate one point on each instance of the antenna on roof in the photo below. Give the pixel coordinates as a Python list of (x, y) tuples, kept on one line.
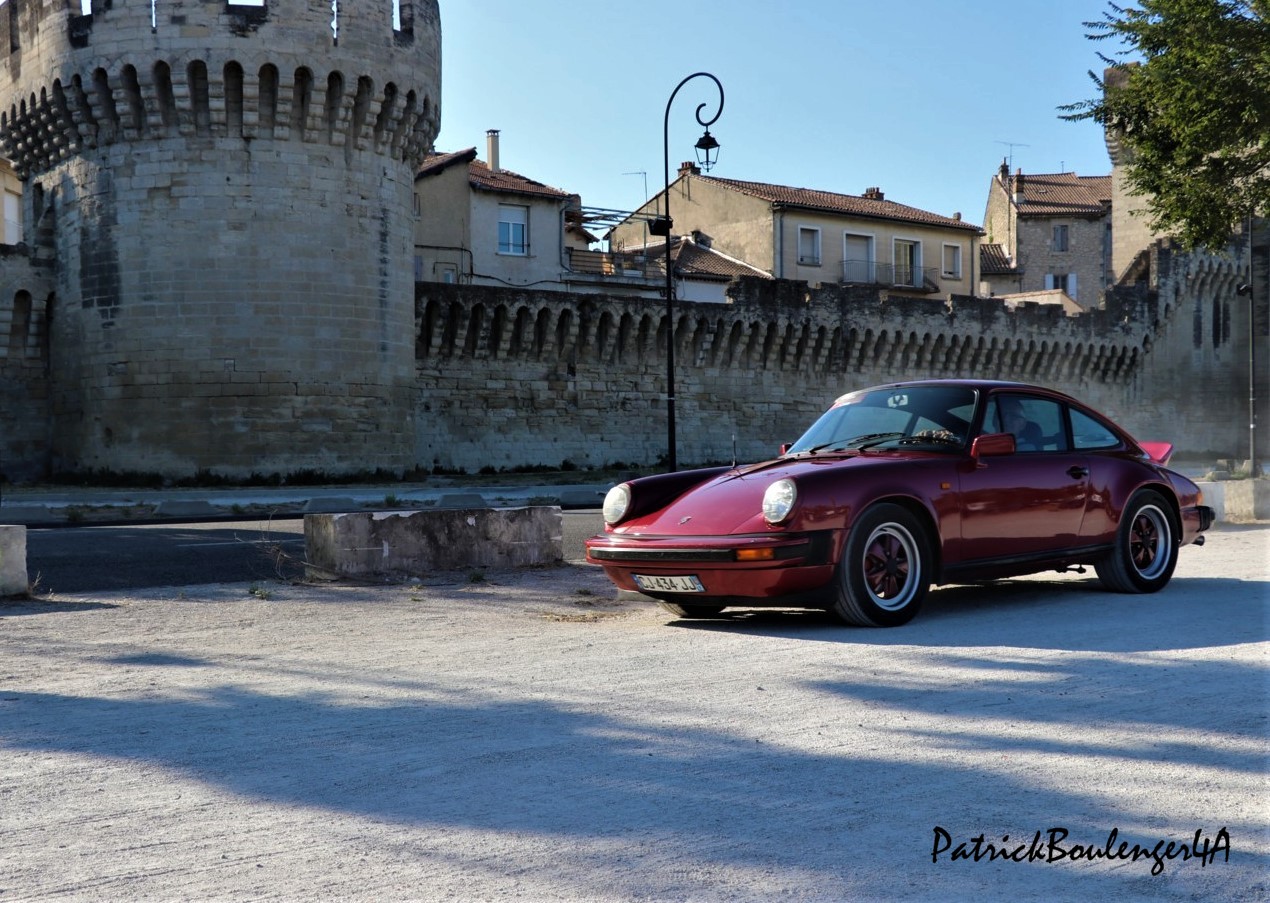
[(640, 172), (1012, 145)]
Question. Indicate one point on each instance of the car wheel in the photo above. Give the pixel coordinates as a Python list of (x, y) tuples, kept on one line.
[(1146, 547), (884, 572), (692, 611)]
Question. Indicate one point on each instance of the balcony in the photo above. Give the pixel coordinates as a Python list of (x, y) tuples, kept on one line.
[(894, 275), (617, 264)]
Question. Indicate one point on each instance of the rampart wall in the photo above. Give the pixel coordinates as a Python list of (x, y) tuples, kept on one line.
[(509, 378)]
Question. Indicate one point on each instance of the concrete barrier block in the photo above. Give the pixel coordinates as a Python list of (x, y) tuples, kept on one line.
[(414, 543), (1215, 497), (1248, 500), (13, 578)]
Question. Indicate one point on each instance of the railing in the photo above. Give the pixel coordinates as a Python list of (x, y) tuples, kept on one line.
[(618, 264), (870, 272)]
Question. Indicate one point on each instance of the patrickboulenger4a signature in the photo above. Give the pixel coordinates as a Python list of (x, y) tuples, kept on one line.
[(1052, 846)]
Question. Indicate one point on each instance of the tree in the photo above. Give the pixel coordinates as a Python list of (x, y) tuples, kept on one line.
[(1189, 99)]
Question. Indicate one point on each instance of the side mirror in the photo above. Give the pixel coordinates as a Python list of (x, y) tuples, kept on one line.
[(992, 445), (785, 447)]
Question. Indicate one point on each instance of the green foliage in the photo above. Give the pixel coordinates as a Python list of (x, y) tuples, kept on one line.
[(1188, 97)]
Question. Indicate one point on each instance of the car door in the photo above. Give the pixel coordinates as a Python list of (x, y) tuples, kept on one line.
[(1031, 502)]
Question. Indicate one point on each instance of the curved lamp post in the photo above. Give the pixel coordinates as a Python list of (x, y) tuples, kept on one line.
[(1245, 291), (707, 154)]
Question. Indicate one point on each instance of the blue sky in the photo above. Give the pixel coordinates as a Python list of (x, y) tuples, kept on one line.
[(921, 98)]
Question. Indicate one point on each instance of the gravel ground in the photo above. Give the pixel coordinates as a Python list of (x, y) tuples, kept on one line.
[(529, 736)]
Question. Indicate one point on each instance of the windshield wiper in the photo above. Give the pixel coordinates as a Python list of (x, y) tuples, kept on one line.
[(863, 442)]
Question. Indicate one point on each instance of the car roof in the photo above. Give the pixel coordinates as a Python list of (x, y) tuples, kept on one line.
[(986, 386), (980, 384), (989, 385)]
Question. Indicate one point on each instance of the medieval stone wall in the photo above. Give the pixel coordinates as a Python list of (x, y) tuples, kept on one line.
[(227, 192), (511, 378)]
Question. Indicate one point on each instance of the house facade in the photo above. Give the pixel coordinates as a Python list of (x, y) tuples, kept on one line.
[(479, 224), (1047, 232), (818, 237)]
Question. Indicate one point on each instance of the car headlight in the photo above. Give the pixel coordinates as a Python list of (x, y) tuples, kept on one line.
[(778, 501), (616, 502)]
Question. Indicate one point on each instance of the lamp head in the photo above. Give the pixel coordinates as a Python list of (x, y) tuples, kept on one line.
[(1243, 289), (707, 151)]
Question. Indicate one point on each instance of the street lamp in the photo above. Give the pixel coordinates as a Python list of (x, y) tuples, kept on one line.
[(707, 154), (1245, 290)]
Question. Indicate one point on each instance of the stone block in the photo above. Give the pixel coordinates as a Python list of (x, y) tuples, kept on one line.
[(1215, 497), (1248, 500), (397, 545), (13, 577)]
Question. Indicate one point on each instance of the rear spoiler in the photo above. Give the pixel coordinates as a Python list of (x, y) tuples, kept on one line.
[(1160, 452)]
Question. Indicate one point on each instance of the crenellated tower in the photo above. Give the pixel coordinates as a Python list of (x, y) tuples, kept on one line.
[(225, 192)]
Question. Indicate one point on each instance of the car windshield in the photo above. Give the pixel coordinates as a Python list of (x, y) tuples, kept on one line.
[(934, 417)]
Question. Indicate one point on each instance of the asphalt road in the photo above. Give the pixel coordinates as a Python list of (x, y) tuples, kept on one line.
[(94, 559), (533, 736)]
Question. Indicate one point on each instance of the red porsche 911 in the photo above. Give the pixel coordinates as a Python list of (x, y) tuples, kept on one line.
[(899, 487)]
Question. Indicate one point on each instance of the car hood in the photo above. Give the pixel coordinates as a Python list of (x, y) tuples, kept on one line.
[(732, 502)]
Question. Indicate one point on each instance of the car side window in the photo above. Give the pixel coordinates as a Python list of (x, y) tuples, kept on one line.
[(992, 420), (1090, 434), (1037, 423)]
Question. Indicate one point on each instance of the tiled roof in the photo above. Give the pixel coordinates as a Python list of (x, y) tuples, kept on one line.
[(506, 180), (1061, 194), (435, 163), (848, 204), (481, 176), (994, 261), (692, 259)]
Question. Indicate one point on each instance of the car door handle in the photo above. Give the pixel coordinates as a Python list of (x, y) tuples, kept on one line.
[(1076, 472)]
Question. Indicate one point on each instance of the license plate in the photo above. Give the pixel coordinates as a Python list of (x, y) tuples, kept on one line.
[(662, 583)]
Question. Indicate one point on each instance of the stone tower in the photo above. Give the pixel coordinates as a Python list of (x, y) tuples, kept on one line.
[(225, 193)]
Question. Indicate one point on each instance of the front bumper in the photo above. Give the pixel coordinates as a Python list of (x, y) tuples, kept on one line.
[(728, 567)]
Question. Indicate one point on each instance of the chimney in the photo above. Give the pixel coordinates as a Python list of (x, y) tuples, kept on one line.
[(688, 168), (1019, 194), (491, 149), (874, 193)]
